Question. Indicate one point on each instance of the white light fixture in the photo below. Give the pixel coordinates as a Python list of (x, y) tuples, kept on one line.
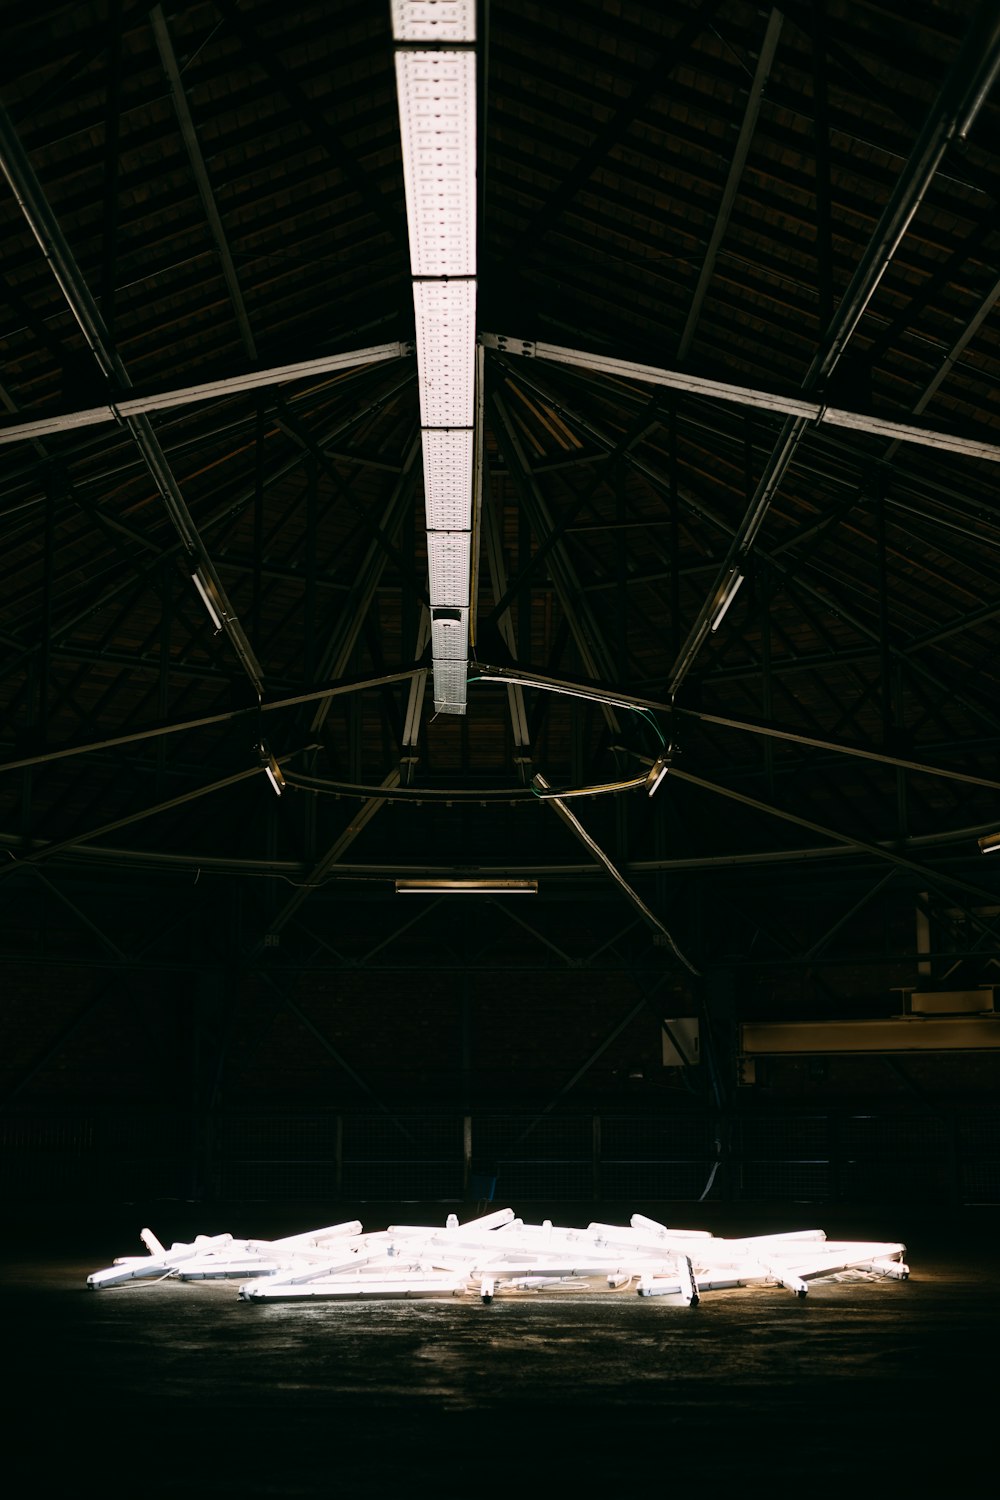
[(447, 457), (271, 768), (437, 116), (434, 20), (658, 771), (450, 686), (448, 886), (435, 62), (209, 598), (445, 314), (448, 568), (729, 592), (449, 633), (989, 843)]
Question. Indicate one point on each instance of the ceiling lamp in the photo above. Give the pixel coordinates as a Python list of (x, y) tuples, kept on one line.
[(271, 768), (436, 90), (657, 772), (730, 589), (989, 843), (448, 886), (209, 596)]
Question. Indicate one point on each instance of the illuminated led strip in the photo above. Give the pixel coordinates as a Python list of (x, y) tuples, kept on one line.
[(446, 352), (443, 21), (447, 465), (437, 114), (436, 90)]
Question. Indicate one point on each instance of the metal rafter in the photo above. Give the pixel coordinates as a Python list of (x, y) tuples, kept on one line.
[(969, 81), (769, 47), (784, 565), (192, 145), (222, 388), (44, 226)]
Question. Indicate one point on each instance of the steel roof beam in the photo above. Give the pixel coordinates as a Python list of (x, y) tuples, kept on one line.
[(358, 822), (197, 160), (594, 653), (862, 846), (206, 390), (808, 413), (39, 216), (787, 567), (656, 70), (344, 159), (969, 81), (757, 87), (598, 694), (336, 657), (203, 721), (77, 840), (497, 565), (576, 827)]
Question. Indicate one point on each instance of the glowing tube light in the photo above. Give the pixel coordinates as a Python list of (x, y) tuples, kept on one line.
[(271, 768), (470, 887), (728, 595), (658, 771), (208, 596), (989, 843)]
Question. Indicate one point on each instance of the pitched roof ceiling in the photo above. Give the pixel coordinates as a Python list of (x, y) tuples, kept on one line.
[(799, 204)]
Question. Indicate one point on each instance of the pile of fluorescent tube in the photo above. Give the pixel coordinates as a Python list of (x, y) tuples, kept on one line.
[(436, 89), (498, 1254)]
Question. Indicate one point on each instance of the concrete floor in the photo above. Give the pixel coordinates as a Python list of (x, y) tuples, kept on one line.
[(156, 1390)]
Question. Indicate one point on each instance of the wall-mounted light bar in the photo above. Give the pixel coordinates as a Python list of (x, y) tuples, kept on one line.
[(470, 887), (436, 88)]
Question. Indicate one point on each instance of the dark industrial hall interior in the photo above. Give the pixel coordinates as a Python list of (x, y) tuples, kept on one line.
[(500, 617)]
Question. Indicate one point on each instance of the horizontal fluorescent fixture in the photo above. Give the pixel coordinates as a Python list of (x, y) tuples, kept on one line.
[(990, 843), (472, 887), (437, 118), (451, 686), (446, 351), (449, 633), (448, 556), (447, 479), (730, 589), (434, 20)]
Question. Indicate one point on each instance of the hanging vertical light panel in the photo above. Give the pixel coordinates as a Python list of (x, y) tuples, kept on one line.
[(436, 89)]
